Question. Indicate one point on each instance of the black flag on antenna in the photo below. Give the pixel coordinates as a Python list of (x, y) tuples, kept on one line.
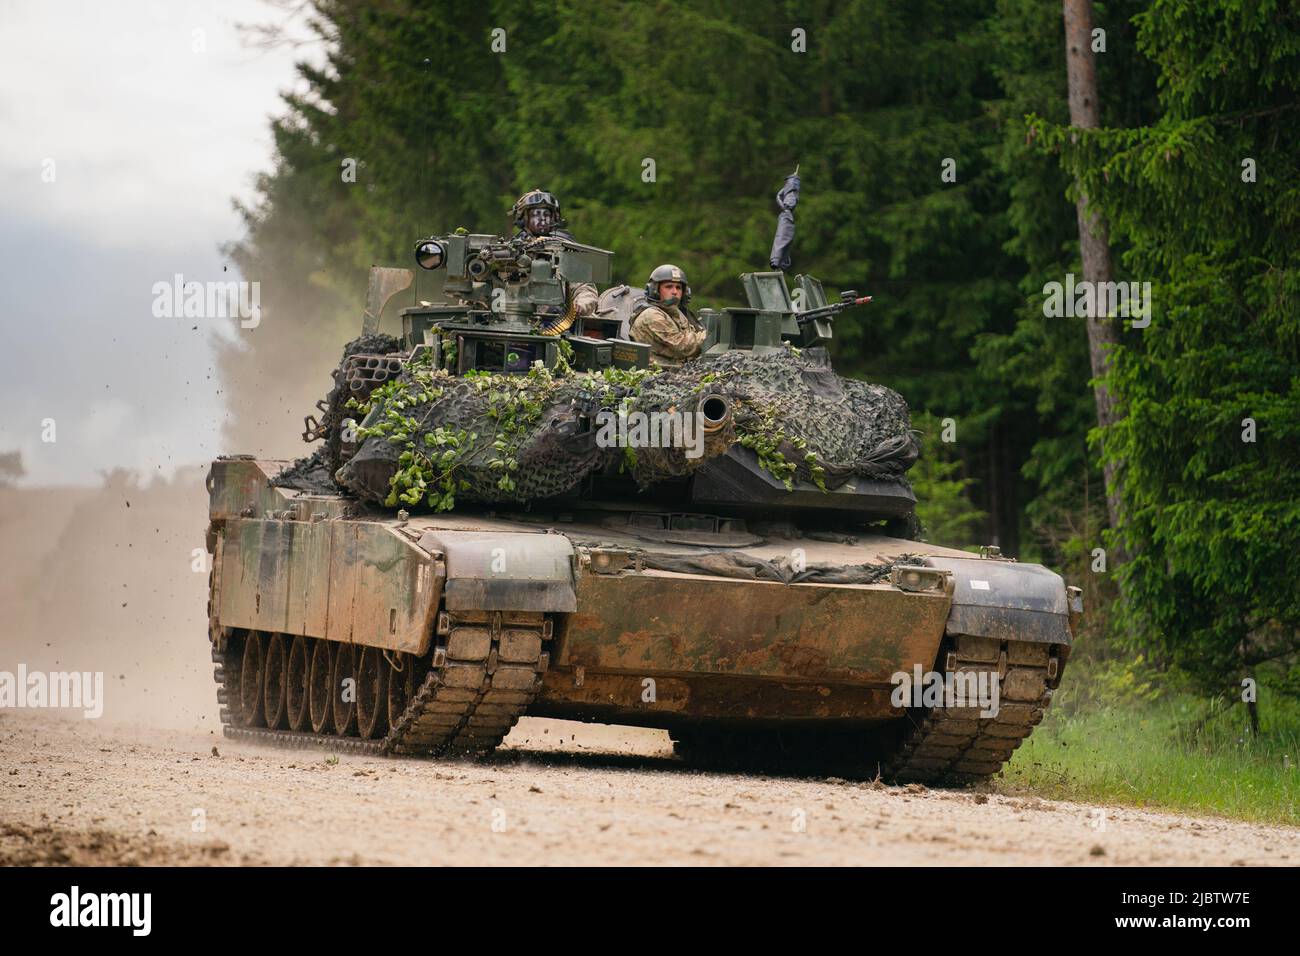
[(786, 199)]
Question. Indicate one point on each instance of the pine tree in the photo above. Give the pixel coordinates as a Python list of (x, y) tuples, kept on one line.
[(1206, 198)]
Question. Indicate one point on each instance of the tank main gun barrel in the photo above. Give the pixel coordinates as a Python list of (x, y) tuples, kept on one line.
[(714, 412), (717, 423)]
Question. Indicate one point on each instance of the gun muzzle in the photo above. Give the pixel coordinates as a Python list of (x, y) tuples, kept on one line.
[(714, 412)]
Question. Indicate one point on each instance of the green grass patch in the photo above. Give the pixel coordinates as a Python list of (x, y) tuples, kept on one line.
[(1122, 736)]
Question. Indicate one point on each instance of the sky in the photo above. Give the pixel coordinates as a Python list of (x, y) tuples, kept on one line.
[(127, 129)]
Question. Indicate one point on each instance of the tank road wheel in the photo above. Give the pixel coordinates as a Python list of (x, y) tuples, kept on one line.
[(401, 685), (295, 690), (463, 696), (372, 693), (343, 691), (250, 680), (273, 682), (320, 698)]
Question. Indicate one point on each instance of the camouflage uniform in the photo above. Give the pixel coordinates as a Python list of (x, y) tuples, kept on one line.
[(583, 298), (674, 336)]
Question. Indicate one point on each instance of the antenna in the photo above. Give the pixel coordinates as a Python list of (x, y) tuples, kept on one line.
[(427, 63)]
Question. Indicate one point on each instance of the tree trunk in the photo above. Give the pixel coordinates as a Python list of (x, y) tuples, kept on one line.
[(1094, 241)]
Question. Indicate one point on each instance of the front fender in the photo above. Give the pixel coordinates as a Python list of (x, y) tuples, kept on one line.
[(505, 570), (1006, 600)]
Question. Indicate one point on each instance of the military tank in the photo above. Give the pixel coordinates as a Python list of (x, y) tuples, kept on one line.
[(438, 569)]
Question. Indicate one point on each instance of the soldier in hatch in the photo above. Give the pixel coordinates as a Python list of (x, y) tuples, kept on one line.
[(536, 215), (663, 322)]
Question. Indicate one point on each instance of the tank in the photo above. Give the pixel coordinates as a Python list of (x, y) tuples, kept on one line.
[(768, 618)]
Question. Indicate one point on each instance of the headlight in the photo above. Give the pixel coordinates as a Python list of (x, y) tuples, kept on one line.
[(911, 577)]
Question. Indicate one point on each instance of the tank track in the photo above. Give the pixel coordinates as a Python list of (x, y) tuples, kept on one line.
[(954, 745), (485, 669), (937, 745), (482, 680)]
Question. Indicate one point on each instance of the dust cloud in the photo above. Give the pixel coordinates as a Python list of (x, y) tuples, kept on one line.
[(105, 580), (114, 579)]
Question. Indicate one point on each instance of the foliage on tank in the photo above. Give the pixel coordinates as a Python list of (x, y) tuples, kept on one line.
[(428, 438)]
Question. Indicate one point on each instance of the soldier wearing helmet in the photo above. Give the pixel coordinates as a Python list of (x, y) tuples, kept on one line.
[(537, 214), (664, 323)]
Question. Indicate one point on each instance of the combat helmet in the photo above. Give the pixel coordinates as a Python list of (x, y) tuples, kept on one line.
[(536, 199), (667, 273)]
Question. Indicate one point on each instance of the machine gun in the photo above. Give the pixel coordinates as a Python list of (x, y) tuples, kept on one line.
[(815, 323), (773, 318), (513, 280), (848, 299), (501, 304)]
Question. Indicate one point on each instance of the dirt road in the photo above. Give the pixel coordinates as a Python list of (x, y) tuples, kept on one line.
[(91, 792), (107, 581)]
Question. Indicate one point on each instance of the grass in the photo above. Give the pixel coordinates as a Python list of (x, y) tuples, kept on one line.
[(1118, 739)]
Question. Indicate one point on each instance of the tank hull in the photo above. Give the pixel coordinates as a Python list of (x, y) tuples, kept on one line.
[(598, 626)]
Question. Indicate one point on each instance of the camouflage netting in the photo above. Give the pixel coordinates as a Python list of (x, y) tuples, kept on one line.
[(434, 438), (804, 421), (315, 473)]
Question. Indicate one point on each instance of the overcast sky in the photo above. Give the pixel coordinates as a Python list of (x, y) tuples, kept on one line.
[(152, 129)]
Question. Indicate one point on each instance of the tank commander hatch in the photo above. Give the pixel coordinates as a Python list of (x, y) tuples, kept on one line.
[(664, 323)]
